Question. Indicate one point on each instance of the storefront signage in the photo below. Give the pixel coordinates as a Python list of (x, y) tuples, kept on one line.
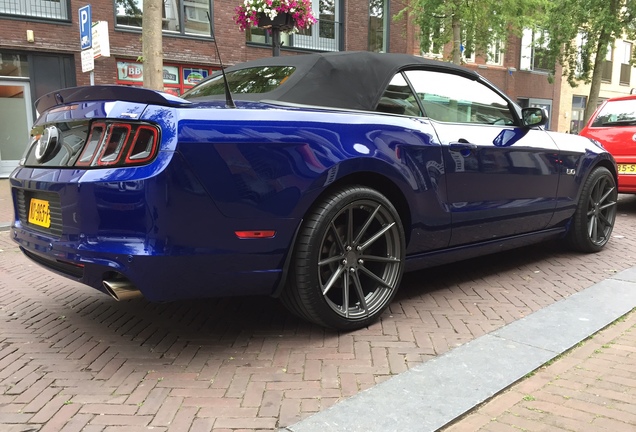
[(101, 42), (194, 76), (135, 72)]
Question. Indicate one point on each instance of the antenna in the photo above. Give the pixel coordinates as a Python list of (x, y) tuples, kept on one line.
[(229, 102)]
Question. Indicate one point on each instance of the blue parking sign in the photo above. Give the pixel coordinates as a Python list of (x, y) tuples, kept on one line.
[(85, 27)]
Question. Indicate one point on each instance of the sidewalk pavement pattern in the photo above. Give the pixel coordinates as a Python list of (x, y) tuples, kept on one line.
[(71, 359)]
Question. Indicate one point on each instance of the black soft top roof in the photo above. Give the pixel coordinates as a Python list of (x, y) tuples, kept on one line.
[(353, 80)]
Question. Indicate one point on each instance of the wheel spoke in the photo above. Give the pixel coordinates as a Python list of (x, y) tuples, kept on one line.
[(598, 190), (350, 226), (366, 225), (604, 197), (337, 236), (379, 258), (331, 260), (605, 220), (360, 291), (592, 228), (375, 277), (332, 280), (608, 205), (345, 295), (376, 236)]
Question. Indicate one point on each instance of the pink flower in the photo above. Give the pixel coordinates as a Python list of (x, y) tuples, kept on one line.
[(246, 15)]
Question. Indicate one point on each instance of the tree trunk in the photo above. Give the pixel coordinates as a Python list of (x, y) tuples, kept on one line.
[(457, 36), (152, 49), (597, 74)]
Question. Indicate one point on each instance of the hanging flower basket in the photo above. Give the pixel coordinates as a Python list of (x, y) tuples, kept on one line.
[(285, 15), (283, 21)]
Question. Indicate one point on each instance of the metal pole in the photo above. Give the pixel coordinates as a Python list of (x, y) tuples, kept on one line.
[(92, 78), (275, 41)]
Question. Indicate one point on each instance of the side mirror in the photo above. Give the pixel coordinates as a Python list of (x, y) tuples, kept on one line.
[(533, 117)]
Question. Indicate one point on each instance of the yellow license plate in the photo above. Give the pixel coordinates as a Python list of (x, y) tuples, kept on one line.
[(627, 168), (39, 213)]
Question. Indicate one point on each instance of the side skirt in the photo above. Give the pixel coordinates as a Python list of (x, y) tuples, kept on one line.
[(459, 253)]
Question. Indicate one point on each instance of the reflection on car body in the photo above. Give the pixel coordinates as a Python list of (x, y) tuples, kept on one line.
[(334, 174)]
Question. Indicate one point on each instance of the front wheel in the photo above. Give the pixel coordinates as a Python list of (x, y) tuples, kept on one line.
[(348, 260), (595, 213)]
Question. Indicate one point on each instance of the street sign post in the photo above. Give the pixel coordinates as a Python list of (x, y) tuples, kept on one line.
[(86, 40), (85, 27)]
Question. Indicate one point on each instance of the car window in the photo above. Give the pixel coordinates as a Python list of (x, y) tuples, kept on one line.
[(452, 98), (261, 79), (616, 113), (398, 98)]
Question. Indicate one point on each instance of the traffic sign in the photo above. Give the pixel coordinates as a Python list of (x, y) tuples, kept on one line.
[(85, 27)]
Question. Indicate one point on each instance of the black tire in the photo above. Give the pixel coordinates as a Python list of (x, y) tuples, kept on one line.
[(348, 260), (593, 221)]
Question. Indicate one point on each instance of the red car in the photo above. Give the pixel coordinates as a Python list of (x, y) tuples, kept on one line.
[(613, 124)]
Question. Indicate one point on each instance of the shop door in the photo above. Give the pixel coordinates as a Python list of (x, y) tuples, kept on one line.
[(16, 119)]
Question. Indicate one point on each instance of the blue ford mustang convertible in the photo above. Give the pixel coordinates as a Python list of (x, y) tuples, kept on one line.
[(317, 178)]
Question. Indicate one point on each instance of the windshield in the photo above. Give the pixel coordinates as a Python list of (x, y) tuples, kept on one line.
[(616, 113), (260, 79)]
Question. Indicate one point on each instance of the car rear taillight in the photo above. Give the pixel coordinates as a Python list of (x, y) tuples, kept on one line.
[(119, 144)]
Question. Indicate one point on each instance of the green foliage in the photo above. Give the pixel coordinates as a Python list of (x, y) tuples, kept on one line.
[(481, 22), (597, 24)]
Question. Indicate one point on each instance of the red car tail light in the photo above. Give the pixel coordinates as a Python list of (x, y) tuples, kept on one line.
[(95, 136), (113, 144), (119, 144), (143, 145)]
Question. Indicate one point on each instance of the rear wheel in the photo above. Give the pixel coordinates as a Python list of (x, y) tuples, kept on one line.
[(595, 213), (348, 260)]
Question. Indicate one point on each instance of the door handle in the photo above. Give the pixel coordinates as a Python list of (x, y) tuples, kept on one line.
[(462, 146)]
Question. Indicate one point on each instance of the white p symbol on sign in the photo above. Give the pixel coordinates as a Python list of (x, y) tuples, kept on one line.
[(83, 19)]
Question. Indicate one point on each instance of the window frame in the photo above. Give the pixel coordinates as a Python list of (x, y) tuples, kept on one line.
[(392, 105), (181, 22), (529, 46), (65, 11), (469, 104), (385, 26)]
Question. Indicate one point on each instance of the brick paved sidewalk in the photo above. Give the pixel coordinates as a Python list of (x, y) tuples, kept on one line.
[(590, 388)]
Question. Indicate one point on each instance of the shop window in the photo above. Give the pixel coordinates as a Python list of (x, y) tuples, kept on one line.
[(45, 9), (176, 78), (13, 65), (187, 17)]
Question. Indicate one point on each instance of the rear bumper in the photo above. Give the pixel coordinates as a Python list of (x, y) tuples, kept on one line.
[(627, 183), (159, 277), (162, 233)]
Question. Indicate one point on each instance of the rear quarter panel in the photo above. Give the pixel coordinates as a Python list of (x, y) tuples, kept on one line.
[(275, 163)]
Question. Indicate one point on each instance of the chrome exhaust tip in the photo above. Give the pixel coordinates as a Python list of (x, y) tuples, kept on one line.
[(121, 289)]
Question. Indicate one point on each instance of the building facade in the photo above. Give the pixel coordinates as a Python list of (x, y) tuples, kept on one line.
[(40, 47), (617, 80)]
